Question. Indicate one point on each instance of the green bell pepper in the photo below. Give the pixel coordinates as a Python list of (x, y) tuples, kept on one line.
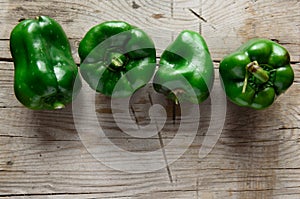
[(45, 71), (186, 71), (256, 73), (116, 52)]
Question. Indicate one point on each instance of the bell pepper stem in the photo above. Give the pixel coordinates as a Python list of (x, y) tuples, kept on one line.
[(58, 105), (118, 60), (177, 92), (256, 71), (245, 82), (176, 101)]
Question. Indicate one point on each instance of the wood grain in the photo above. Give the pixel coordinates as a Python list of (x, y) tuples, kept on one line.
[(257, 155), (231, 23), (226, 24)]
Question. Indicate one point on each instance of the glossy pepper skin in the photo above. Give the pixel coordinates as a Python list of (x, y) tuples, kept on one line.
[(256, 73), (117, 52), (186, 68), (45, 71)]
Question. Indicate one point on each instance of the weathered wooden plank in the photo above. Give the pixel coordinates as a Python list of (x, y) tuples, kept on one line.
[(77, 17), (231, 23), (213, 173), (241, 156), (239, 22), (256, 156), (233, 162)]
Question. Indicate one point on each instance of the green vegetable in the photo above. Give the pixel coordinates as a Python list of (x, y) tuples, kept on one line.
[(117, 52), (45, 71), (186, 69), (256, 73)]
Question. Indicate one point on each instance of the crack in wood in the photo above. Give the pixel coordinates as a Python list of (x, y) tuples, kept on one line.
[(135, 117), (13, 171), (174, 113), (42, 138), (165, 157), (197, 15), (172, 8), (288, 128), (6, 59), (17, 136), (54, 194), (162, 147), (200, 13), (254, 190), (197, 188)]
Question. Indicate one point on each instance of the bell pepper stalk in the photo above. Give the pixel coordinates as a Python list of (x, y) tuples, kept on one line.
[(186, 68), (256, 74), (114, 52), (45, 71)]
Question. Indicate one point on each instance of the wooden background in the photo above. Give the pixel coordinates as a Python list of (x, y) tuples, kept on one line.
[(257, 155)]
